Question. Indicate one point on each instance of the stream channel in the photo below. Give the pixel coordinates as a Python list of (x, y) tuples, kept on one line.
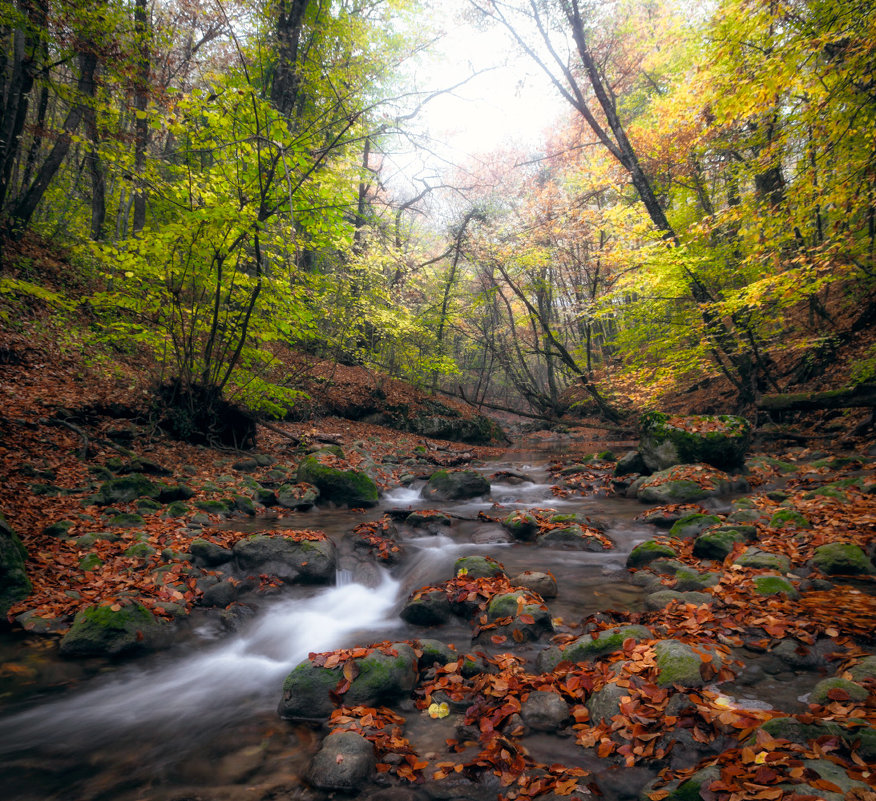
[(199, 721)]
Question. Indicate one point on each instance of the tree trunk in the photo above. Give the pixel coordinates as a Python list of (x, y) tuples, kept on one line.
[(853, 397), (141, 126)]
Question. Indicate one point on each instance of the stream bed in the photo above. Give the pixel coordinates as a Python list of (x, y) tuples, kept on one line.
[(199, 721)]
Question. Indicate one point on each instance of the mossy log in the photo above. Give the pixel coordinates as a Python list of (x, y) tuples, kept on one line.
[(861, 395)]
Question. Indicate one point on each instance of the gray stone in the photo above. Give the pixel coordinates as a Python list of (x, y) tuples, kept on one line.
[(343, 487), (542, 583), (763, 560), (429, 609), (630, 462), (207, 554), (718, 440), (14, 583), (574, 538), (454, 485), (586, 648), (478, 567), (842, 558), (345, 762), (678, 663), (605, 703), (691, 525), (544, 711), (102, 631), (820, 691), (291, 561), (297, 496), (648, 551)]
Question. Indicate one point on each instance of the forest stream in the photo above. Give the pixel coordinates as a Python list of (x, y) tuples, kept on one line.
[(200, 721)]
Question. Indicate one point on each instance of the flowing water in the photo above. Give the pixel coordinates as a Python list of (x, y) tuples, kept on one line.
[(199, 720)]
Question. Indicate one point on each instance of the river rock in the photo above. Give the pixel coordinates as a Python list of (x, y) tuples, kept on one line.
[(789, 518), (521, 525), (821, 692), (689, 579), (455, 485), (345, 762), (585, 647), (717, 545), (775, 585), (103, 631), (351, 488), (127, 488), (630, 462), (544, 711), (435, 652), (506, 605), (300, 496), (379, 678), (719, 440), (432, 521), (865, 669), (207, 554), (573, 538), (692, 525), (794, 731), (604, 704), (763, 560), (430, 609), (14, 583), (661, 598), (646, 552), (678, 663), (478, 567), (291, 561), (542, 583), (684, 484), (842, 558)]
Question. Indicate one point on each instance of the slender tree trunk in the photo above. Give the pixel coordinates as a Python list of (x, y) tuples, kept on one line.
[(141, 124), (25, 206)]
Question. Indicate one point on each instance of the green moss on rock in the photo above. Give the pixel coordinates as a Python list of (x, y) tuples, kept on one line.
[(646, 552), (103, 631), (842, 558), (718, 440), (343, 487), (691, 525), (774, 585)]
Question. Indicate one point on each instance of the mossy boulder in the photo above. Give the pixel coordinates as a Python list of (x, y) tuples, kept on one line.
[(717, 544), (689, 579), (292, 561), (763, 560), (455, 485), (843, 559), (297, 496), (775, 585), (789, 518), (691, 525), (573, 538), (508, 605), (14, 583), (208, 554), (678, 663), (586, 647), (604, 704), (794, 731), (719, 440), (662, 598), (127, 488), (351, 488), (344, 762), (631, 462), (478, 567), (646, 552), (521, 525), (821, 692), (104, 631), (685, 484), (865, 669), (378, 678), (89, 562)]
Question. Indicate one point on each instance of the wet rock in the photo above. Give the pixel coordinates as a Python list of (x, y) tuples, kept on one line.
[(647, 552), (521, 525), (821, 692), (689, 579), (435, 652), (428, 609), (622, 783), (345, 762), (103, 631), (794, 731), (383, 678), (177, 492), (507, 605), (717, 545), (630, 462), (126, 489), (300, 496), (208, 554), (430, 521), (763, 560), (604, 704), (789, 518), (220, 594), (542, 583), (396, 794), (691, 525), (689, 790), (719, 440), (351, 488), (478, 567), (842, 558), (573, 538), (242, 503), (685, 484), (544, 711), (660, 599), (775, 585), (14, 583), (457, 787), (678, 663), (453, 485), (291, 561), (865, 669), (585, 648)]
